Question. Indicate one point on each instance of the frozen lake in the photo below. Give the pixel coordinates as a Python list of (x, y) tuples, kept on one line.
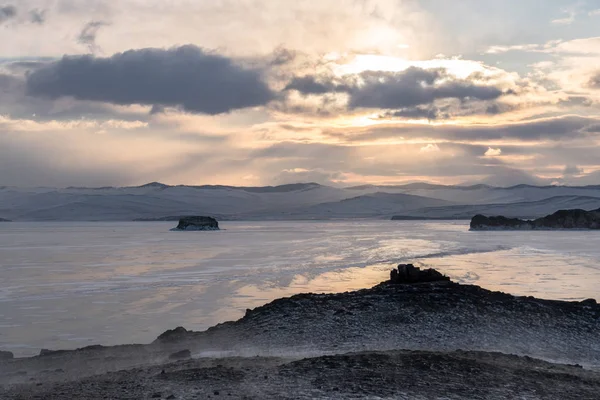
[(68, 285)]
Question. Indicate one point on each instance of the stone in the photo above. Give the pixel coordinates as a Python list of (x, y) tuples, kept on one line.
[(173, 334), (197, 224), (181, 355), (6, 355), (408, 274), (45, 352)]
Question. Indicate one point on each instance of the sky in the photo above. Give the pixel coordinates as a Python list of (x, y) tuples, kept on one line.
[(261, 92)]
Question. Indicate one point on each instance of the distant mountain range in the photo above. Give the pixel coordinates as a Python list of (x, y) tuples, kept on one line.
[(156, 201)]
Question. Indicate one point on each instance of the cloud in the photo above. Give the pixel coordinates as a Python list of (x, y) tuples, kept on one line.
[(429, 113), (593, 128), (572, 170), (594, 13), (186, 77), (7, 12), (430, 148), (594, 82), (567, 20), (317, 175), (407, 89), (310, 85), (15, 103), (493, 152), (88, 34), (515, 47), (576, 101), (37, 16), (560, 128)]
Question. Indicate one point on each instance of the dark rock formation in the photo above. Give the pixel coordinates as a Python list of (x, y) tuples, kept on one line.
[(45, 352), (408, 273), (6, 355), (563, 219), (172, 334), (4, 220), (197, 224)]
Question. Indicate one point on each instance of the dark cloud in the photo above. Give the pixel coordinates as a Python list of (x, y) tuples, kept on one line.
[(88, 34), (571, 170), (499, 108), (185, 77), (310, 85), (15, 103), (430, 113), (24, 66), (595, 81), (414, 87), (553, 129), (576, 101), (398, 90), (37, 16), (7, 12), (593, 128), (282, 56)]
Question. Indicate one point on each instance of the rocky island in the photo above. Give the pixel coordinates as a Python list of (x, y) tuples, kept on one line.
[(197, 224), (563, 219), (416, 335)]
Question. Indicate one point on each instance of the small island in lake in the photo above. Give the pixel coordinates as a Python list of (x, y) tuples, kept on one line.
[(197, 224), (563, 219)]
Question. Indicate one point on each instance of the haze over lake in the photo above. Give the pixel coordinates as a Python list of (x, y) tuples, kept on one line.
[(72, 284)]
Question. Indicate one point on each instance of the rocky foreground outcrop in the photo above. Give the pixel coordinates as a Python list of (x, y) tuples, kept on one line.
[(563, 219), (197, 224), (399, 339), (408, 274)]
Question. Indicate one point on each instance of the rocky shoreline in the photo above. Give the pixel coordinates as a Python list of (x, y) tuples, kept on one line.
[(346, 345), (560, 220)]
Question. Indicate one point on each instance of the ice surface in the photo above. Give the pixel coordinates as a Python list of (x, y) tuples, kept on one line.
[(67, 285)]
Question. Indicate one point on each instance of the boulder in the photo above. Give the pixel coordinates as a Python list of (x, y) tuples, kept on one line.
[(6, 355), (408, 274), (197, 224), (172, 335)]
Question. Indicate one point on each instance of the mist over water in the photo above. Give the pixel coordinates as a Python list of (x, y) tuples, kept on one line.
[(67, 285)]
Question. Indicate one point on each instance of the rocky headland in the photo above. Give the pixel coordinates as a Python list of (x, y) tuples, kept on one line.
[(416, 336), (197, 224), (563, 219)]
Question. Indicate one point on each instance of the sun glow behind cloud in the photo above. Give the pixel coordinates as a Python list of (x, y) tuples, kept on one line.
[(528, 101)]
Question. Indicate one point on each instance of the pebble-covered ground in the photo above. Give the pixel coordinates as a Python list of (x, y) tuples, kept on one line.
[(374, 375)]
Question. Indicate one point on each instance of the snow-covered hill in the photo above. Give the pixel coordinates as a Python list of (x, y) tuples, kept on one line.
[(295, 201)]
